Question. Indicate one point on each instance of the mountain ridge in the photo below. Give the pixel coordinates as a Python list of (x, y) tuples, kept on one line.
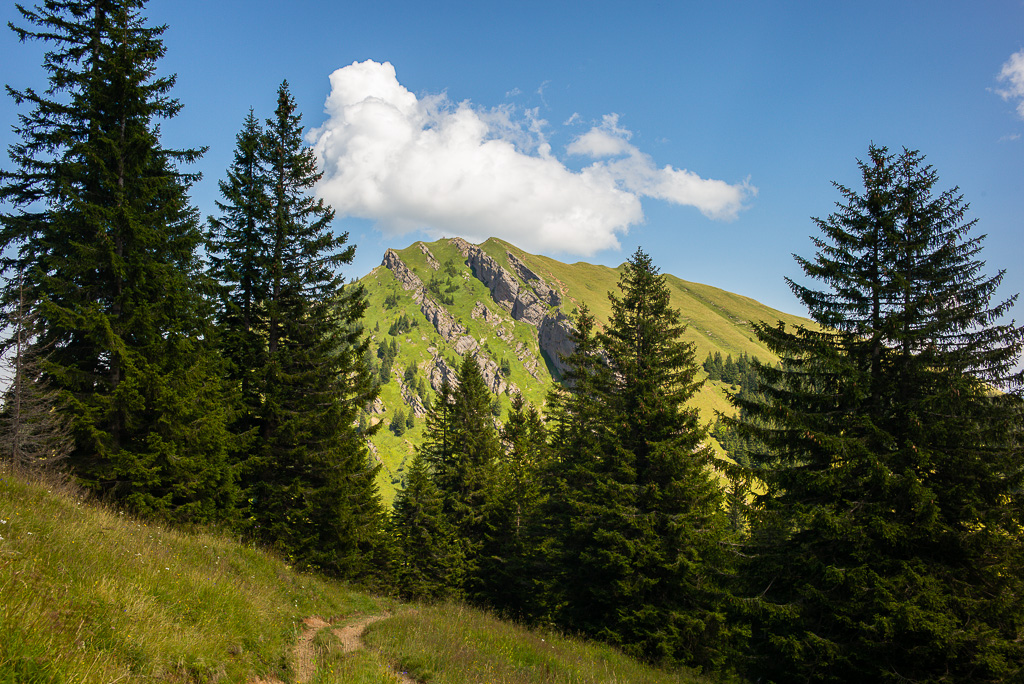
[(438, 301)]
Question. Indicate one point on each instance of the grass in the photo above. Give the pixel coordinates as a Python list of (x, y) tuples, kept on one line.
[(453, 644), (90, 595)]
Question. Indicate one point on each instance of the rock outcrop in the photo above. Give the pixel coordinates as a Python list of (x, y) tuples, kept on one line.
[(492, 374), (546, 293), (506, 292), (446, 325), (528, 359), (555, 339), (431, 261), (461, 245), (440, 371), (405, 277), (482, 312), (409, 396)]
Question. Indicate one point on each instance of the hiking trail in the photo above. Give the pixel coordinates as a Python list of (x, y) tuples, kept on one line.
[(303, 655)]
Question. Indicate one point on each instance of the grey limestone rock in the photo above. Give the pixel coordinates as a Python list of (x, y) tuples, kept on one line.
[(430, 257), (555, 338), (410, 397), (440, 371), (546, 293), (506, 292), (462, 245), (406, 278)]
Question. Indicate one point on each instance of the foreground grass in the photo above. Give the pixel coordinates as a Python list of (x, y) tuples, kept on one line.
[(453, 644), (89, 595)]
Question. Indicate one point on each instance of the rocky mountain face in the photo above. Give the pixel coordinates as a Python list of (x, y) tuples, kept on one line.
[(433, 304)]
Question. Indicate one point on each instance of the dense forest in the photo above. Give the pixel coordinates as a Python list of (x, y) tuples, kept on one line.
[(866, 527)]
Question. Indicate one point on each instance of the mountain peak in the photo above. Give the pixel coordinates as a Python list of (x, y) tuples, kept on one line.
[(432, 303)]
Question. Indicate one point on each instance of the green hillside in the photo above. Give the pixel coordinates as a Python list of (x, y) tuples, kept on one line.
[(717, 321), (90, 595)]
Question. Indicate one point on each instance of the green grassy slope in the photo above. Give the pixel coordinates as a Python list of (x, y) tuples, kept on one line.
[(716, 321), (89, 595)]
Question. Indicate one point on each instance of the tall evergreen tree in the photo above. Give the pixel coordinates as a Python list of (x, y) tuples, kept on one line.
[(887, 543), (430, 562), (239, 262), (308, 480), (648, 523), (461, 448), (104, 234), (507, 577)]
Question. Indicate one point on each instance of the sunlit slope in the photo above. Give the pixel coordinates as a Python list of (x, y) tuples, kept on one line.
[(716, 320), (92, 596)]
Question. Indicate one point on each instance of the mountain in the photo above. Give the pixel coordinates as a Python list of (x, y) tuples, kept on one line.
[(438, 301)]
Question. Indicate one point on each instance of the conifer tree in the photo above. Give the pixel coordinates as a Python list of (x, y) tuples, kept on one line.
[(887, 541), (239, 262), (430, 564), (104, 233), (461, 447), (308, 481), (572, 497), (507, 577), (647, 522)]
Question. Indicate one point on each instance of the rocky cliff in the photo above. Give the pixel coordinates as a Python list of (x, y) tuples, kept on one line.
[(509, 310)]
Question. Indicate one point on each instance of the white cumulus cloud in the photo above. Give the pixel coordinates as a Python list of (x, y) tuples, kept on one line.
[(409, 162), (1012, 74), (636, 172)]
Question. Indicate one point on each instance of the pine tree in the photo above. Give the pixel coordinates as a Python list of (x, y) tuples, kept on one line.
[(643, 508), (430, 563), (309, 482), (104, 234), (887, 541), (461, 448), (239, 262)]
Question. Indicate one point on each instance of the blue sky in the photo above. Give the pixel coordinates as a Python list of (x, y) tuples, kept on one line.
[(707, 133)]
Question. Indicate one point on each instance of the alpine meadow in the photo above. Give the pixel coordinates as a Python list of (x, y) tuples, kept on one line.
[(225, 458)]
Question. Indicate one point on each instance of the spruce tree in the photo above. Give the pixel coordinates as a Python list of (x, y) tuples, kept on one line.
[(240, 263), (461, 448), (308, 480), (886, 541), (106, 238), (507, 577), (430, 564), (646, 513)]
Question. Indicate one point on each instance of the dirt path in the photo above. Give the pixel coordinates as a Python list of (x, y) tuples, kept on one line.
[(303, 656), (351, 637)]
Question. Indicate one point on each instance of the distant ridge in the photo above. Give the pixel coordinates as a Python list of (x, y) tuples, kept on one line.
[(441, 300)]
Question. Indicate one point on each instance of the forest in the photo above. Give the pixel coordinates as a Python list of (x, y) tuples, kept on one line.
[(865, 527)]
